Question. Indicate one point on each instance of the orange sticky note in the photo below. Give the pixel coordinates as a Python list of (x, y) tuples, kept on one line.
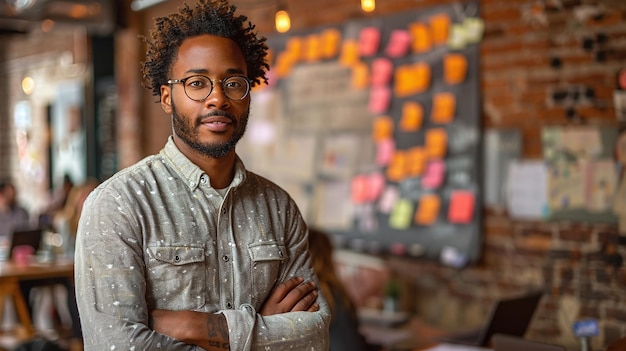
[(313, 47), (331, 38), (401, 215), (382, 69), (412, 116), (454, 68), (294, 47), (420, 37), (439, 28), (369, 40), (397, 168), (461, 208), (384, 151), (412, 79), (428, 209), (380, 98), (436, 142), (444, 108), (284, 63), (383, 128), (434, 174), (399, 43), (417, 158), (349, 53), (360, 76)]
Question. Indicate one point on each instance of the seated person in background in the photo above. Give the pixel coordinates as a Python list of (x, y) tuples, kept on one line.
[(12, 215), (344, 325)]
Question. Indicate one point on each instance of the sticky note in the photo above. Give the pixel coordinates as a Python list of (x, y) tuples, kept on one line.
[(382, 129), (420, 37), (388, 199), (349, 53), (461, 208), (439, 28), (401, 214), (412, 116), (380, 98), (397, 168), (359, 189), (382, 69), (384, 151), (457, 40), (454, 68), (399, 43), (376, 184), (360, 75), (434, 174), (444, 108), (412, 79), (436, 142), (331, 39), (369, 41), (417, 159), (313, 47), (284, 63), (428, 209), (294, 47)]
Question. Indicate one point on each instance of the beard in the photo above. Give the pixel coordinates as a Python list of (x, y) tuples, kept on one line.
[(187, 130)]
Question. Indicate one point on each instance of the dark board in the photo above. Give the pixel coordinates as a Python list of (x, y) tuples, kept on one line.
[(318, 105)]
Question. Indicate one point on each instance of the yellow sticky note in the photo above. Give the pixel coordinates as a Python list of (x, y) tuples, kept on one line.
[(428, 209), (444, 108), (401, 214), (412, 116)]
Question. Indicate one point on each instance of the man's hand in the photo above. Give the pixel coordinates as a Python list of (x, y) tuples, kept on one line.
[(291, 296), (207, 330)]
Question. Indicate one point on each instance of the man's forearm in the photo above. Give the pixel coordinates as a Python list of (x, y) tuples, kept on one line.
[(207, 330)]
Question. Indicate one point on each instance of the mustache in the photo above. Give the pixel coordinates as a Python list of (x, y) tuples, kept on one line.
[(218, 113)]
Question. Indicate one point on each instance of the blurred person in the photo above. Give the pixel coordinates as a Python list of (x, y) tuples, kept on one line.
[(187, 249), (57, 202), (344, 325), (12, 215)]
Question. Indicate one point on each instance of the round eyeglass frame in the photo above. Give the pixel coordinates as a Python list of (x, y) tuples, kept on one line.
[(213, 81)]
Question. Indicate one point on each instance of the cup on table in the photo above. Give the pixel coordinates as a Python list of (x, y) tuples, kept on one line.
[(22, 255)]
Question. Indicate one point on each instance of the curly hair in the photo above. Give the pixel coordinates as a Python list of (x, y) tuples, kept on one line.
[(213, 17)]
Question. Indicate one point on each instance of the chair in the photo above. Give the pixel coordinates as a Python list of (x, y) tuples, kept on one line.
[(503, 342)]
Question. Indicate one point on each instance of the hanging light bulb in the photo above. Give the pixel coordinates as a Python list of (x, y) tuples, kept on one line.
[(283, 22), (368, 5)]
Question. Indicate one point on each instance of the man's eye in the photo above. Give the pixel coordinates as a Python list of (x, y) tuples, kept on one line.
[(197, 83)]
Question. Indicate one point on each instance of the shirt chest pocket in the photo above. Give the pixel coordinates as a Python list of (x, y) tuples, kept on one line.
[(266, 267), (176, 277)]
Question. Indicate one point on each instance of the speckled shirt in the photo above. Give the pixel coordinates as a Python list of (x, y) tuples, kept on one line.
[(157, 236)]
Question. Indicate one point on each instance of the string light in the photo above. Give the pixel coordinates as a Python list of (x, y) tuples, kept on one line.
[(283, 22), (368, 5)]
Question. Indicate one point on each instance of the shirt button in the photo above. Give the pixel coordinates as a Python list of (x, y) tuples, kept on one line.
[(225, 258), (203, 179), (229, 305), (177, 258), (280, 253), (192, 184)]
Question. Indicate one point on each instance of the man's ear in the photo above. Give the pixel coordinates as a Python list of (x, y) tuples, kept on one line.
[(166, 99)]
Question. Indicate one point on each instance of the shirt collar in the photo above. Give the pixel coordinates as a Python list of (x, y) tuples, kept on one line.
[(190, 172)]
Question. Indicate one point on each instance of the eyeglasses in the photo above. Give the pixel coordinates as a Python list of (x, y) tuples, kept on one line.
[(198, 88)]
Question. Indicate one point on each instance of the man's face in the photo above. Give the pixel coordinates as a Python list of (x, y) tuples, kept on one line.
[(211, 127)]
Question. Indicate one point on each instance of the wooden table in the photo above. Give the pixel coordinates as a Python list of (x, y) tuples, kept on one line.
[(11, 275)]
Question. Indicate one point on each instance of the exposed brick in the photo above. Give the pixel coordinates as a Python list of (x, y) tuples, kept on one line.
[(618, 314), (575, 234)]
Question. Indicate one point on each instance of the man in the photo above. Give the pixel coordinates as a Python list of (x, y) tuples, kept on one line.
[(12, 215), (187, 249)]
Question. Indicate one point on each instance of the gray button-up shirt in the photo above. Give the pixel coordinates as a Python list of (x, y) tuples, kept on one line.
[(157, 236)]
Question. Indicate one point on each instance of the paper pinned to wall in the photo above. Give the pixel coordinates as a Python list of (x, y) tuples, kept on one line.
[(527, 189)]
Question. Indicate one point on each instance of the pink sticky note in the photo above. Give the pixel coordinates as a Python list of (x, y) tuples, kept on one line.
[(461, 209), (384, 150), (380, 96), (433, 176), (399, 43), (388, 199), (369, 40), (376, 184), (382, 69), (360, 189)]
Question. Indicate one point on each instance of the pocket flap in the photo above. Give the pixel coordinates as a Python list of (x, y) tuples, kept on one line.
[(177, 255), (269, 251)]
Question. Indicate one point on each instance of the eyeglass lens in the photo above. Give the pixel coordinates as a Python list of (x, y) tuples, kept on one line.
[(200, 87)]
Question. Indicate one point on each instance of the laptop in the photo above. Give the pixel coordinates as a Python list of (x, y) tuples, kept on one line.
[(502, 342), (30, 237), (508, 316)]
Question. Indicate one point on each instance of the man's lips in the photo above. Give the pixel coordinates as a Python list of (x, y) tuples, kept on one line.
[(216, 123)]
